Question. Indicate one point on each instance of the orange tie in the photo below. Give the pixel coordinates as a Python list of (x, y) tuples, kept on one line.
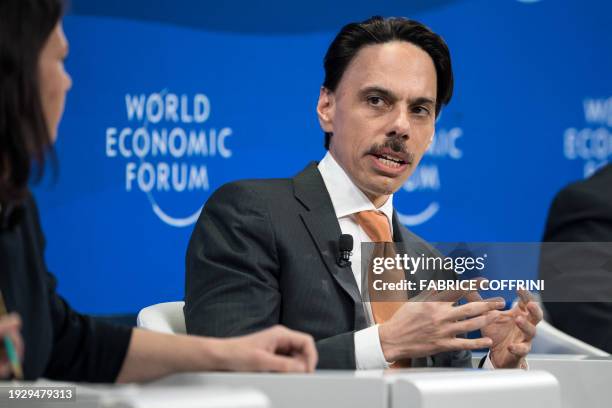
[(376, 225)]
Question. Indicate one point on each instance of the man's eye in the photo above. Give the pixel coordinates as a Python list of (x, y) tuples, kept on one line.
[(376, 101), (421, 110)]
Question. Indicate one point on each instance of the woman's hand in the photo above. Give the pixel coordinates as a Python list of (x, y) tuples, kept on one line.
[(9, 326), (153, 355), (275, 349)]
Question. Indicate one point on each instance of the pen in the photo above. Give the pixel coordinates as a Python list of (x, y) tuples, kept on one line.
[(10, 347)]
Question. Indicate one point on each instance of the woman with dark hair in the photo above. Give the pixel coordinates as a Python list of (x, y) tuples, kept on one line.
[(53, 340)]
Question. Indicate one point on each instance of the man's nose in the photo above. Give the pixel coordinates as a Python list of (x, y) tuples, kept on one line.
[(400, 126)]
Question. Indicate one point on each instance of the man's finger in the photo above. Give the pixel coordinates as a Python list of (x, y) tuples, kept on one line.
[(521, 349), (505, 316), (525, 297), (459, 343), (536, 314), (528, 329), (474, 295), (451, 296), (476, 323), (474, 309)]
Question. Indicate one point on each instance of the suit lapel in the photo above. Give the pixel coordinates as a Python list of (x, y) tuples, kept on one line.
[(404, 241), (320, 220)]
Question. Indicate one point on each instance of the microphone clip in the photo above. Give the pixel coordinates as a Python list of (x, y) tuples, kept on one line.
[(344, 260), (345, 248)]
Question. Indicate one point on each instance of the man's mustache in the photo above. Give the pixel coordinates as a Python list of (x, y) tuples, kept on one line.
[(395, 144)]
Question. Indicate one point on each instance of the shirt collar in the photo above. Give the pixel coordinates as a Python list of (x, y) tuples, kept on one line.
[(346, 197)]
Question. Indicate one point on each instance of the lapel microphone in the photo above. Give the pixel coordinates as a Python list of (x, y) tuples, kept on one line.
[(345, 245)]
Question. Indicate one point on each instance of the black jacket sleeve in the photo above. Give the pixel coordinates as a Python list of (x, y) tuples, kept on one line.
[(83, 349)]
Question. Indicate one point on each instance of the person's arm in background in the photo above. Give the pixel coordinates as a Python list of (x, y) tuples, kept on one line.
[(154, 355), (87, 349), (582, 212)]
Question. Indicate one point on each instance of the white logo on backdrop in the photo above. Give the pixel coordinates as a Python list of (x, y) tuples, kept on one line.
[(591, 142), (426, 176), (166, 149)]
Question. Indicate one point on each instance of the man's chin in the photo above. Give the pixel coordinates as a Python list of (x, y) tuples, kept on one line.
[(389, 184), (375, 189)]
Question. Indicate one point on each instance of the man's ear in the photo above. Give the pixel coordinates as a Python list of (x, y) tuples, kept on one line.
[(325, 109)]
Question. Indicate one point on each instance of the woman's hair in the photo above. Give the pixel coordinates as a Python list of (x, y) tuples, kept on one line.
[(25, 26)]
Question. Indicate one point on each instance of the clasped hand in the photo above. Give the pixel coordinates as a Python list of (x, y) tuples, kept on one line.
[(432, 323)]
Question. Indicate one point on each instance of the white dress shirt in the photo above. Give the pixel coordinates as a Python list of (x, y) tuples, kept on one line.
[(348, 200)]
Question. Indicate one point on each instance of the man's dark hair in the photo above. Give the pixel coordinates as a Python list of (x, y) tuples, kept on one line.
[(25, 26), (378, 30)]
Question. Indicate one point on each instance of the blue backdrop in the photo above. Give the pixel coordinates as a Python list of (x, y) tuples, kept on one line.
[(173, 99)]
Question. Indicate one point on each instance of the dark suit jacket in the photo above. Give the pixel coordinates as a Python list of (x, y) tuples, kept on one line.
[(582, 212), (264, 252)]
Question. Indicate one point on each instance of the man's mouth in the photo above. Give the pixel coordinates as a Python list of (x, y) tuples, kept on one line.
[(389, 161), (392, 160)]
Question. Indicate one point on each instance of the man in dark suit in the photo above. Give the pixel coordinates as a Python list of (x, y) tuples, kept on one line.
[(266, 251), (582, 212)]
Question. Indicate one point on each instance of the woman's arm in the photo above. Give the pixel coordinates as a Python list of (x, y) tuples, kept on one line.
[(153, 355)]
